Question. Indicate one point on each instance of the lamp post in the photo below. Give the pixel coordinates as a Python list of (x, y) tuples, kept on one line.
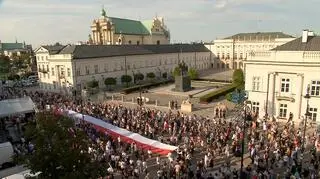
[(307, 114), (245, 118)]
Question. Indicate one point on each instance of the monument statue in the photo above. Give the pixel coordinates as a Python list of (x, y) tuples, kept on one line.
[(182, 81)]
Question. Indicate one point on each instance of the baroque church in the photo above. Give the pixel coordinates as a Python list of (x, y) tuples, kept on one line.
[(118, 31)]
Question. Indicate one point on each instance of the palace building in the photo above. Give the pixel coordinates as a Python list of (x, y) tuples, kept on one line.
[(118, 31), (278, 80), (61, 68), (230, 52)]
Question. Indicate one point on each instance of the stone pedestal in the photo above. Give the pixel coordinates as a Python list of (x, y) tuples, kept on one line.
[(186, 107), (182, 83)]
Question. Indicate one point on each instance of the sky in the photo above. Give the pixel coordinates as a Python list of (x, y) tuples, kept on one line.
[(41, 22)]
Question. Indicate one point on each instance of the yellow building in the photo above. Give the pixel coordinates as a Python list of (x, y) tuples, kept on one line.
[(117, 31)]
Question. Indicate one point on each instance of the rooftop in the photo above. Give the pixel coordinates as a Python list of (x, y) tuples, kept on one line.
[(259, 36), (53, 49), (312, 44), (96, 51), (11, 46), (128, 26)]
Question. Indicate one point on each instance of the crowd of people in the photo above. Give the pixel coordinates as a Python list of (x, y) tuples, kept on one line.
[(275, 150)]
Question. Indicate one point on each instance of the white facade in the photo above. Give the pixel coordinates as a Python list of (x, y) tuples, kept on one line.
[(277, 82), (62, 71), (232, 51)]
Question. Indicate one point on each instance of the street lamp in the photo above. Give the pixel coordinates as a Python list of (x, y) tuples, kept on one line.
[(245, 118), (307, 114)]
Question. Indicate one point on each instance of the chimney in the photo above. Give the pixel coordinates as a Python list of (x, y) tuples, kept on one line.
[(305, 34)]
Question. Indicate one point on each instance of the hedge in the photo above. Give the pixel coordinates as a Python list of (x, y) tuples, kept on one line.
[(216, 94), (148, 85), (213, 80)]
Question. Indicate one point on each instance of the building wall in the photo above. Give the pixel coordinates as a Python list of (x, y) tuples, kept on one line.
[(84, 70), (301, 69), (230, 53)]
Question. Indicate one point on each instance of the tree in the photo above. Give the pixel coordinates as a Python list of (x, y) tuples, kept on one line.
[(176, 71), (151, 75), (110, 81), (165, 75), (193, 73), (93, 84), (126, 79), (238, 78), (61, 149), (138, 77), (5, 64)]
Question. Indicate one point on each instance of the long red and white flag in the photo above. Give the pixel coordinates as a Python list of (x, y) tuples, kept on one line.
[(125, 135)]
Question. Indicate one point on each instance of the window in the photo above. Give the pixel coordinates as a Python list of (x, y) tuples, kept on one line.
[(87, 70), (255, 107), (68, 72), (138, 42), (315, 88), (62, 71), (42, 58), (42, 67), (78, 72), (283, 110), (313, 113), (285, 85), (105, 67), (52, 71), (96, 69), (47, 67), (256, 83), (46, 57), (54, 85), (157, 30), (241, 56), (158, 42), (129, 42)]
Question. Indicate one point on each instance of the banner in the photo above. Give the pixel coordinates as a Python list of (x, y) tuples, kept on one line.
[(125, 135)]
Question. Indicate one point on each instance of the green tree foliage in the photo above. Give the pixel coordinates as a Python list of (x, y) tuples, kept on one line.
[(126, 79), (176, 71), (165, 75), (5, 64), (238, 78), (151, 75), (59, 151), (110, 81), (138, 77), (13, 77), (93, 84), (193, 73)]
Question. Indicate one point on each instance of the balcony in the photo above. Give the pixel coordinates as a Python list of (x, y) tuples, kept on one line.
[(285, 97)]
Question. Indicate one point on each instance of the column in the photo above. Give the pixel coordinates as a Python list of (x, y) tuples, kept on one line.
[(95, 37), (299, 95), (271, 104)]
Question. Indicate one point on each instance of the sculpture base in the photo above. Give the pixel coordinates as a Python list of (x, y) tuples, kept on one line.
[(186, 108), (182, 83)]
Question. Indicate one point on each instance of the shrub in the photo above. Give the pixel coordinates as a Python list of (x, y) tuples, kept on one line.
[(193, 73), (151, 75), (176, 71), (126, 79), (139, 77), (93, 84), (238, 78), (110, 81), (165, 75), (229, 96), (216, 94)]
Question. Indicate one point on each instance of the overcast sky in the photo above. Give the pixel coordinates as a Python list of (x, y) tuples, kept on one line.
[(67, 21)]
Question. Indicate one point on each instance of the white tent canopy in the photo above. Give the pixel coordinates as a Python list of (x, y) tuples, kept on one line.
[(16, 106)]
